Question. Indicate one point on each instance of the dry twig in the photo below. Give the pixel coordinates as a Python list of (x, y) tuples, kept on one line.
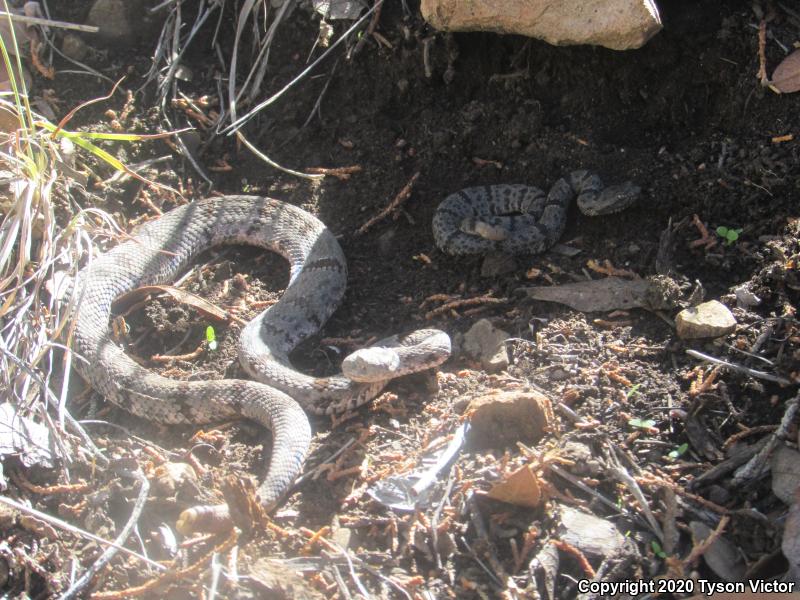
[(341, 173), (170, 576), (398, 200), (454, 304)]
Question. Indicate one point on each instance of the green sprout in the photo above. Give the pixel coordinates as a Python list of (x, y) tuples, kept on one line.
[(678, 452), (211, 338), (657, 549), (642, 423), (729, 235), (633, 390)]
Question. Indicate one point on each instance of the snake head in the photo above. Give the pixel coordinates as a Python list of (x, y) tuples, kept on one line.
[(371, 364)]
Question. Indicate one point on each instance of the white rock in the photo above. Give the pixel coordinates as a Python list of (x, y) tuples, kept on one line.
[(707, 320), (745, 298), (615, 24), (486, 343)]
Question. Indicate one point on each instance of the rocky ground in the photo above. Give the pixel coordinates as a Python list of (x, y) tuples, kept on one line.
[(604, 445)]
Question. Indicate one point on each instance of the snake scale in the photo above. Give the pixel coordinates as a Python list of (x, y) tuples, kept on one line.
[(521, 219), (164, 247)]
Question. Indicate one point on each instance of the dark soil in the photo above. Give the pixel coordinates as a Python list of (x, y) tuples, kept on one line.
[(684, 117)]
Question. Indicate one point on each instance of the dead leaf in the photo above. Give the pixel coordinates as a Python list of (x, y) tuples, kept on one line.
[(786, 76), (599, 295), (23, 437), (520, 488), (210, 310)]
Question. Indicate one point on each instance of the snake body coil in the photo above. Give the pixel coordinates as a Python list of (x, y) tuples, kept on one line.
[(161, 249), (521, 219)]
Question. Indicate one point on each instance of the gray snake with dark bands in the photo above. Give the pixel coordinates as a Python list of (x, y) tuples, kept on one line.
[(164, 247), (521, 219)]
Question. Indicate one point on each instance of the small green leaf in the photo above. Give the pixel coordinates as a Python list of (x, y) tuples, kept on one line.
[(211, 338), (657, 549), (679, 451), (642, 423), (634, 388), (728, 234)]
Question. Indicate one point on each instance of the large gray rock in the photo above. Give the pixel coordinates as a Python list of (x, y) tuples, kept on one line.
[(615, 24), (116, 20)]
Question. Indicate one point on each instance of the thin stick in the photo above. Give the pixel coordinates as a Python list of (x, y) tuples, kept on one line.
[(77, 531), (444, 308), (762, 57), (49, 23), (401, 197), (111, 551), (747, 370)]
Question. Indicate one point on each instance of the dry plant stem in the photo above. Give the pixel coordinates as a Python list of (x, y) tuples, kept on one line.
[(398, 200), (762, 56), (341, 173), (656, 481), (706, 239), (727, 466), (237, 123), (77, 531), (737, 437), (111, 551), (746, 370), (499, 573), (445, 308), (577, 555), (438, 298), (437, 513), (700, 548), (48, 22), (370, 30), (624, 477), (318, 470), (19, 479), (760, 462), (579, 484), (170, 576), (163, 358)]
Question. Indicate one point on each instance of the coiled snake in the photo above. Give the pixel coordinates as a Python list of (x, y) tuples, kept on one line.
[(521, 219), (160, 250)]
